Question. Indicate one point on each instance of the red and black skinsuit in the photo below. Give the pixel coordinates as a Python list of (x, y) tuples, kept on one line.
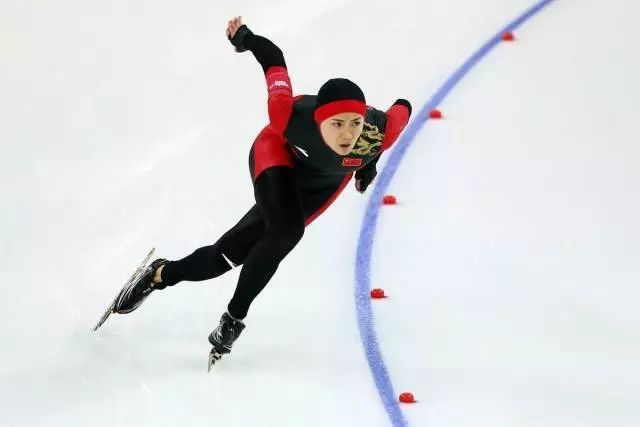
[(296, 176)]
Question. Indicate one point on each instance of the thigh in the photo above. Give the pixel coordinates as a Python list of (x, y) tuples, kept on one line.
[(236, 243), (278, 199), (318, 194), (269, 150)]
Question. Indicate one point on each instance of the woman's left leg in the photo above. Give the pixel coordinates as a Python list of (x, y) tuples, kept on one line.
[(279, 202)]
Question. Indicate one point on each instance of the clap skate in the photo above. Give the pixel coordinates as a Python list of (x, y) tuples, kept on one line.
[(135, 291), (223, 337)]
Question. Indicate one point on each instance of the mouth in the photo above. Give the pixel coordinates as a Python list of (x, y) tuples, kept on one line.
[(345, 146)]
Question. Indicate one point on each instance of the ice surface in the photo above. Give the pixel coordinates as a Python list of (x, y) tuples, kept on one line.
[(511, 261)]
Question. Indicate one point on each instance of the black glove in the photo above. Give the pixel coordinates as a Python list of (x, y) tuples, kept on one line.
[(404, 102), (242, 39), (365, 176)]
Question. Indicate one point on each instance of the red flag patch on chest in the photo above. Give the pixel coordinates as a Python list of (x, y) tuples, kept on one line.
[(351, 162)]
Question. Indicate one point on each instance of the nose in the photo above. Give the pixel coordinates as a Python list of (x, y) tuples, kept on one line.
[(348, 135)]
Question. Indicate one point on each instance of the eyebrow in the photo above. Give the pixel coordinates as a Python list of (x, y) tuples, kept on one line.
[(342, 121)]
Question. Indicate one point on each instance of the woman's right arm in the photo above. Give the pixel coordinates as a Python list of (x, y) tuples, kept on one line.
[(271, 59)]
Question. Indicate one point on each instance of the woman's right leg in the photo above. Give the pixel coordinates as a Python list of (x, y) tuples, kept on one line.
[(214, 260), (205, 263), (234, 246)]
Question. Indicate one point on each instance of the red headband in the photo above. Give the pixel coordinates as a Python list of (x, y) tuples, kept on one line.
[(337, 107)]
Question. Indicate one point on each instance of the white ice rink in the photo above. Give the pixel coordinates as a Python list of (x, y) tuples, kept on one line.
[(512, 261)]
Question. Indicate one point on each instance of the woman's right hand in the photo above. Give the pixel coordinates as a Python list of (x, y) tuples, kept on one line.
[(238, 34), (233, 25)]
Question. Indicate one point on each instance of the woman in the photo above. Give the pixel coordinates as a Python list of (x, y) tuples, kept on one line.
[(299, 163)]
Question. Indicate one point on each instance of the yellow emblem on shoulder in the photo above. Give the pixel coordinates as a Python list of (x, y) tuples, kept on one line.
[(370, 141)]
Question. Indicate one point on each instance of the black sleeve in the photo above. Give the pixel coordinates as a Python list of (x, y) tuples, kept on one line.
[(265, 51), (369, 166)]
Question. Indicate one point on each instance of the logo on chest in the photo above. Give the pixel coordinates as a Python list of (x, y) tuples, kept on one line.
[(351, 162)]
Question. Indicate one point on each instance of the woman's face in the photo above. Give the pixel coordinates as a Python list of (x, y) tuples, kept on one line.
[(340, 132)]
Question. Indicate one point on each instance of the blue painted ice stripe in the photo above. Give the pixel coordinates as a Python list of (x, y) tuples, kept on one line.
[(365, 243)]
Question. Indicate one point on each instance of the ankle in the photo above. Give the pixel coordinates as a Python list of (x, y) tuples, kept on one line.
[(235, 319), (157, 277)]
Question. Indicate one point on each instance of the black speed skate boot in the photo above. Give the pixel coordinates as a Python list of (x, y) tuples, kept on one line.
[(132, 295), (223, 337)]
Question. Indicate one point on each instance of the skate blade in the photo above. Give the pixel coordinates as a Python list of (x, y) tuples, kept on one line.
[(133, 277), (214, 356), (104, 317)]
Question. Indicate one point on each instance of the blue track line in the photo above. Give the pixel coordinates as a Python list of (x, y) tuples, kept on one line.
[(367, 232)]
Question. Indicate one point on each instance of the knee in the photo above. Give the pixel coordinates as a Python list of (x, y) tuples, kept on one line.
[(288, 238)]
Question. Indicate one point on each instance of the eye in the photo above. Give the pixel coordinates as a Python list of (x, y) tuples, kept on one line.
[(356, 124), (336, 124)]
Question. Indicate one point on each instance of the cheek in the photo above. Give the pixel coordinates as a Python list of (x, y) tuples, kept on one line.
[(329, 134)]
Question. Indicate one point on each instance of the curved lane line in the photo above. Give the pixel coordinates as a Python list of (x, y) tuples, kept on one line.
[(367, 232)]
